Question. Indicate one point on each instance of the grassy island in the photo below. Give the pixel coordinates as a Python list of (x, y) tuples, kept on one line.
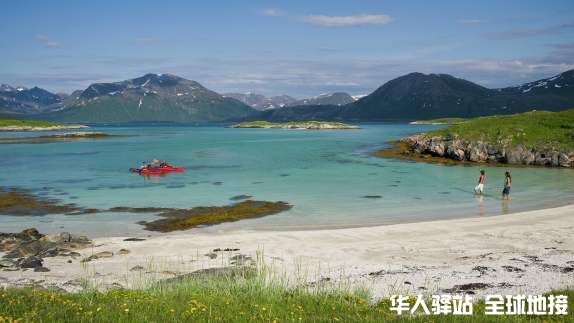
[(538, 138), (34, 125), (294, 125)]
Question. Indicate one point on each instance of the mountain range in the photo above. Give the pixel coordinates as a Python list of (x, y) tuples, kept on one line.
[(150, 98), (426, 96), (169, 98), (21, 100), (261, 102)]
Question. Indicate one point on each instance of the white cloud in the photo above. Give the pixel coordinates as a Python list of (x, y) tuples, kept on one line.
[(271, 12), (47, 42), (347, 21)]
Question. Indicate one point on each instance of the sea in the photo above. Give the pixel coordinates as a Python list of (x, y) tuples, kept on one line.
[(329, 176)]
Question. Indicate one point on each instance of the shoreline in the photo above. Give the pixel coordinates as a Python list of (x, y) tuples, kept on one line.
[(400, 150), (37, 128), (525, 252)]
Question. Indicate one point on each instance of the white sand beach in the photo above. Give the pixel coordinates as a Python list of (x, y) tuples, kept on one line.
[(528, 252)]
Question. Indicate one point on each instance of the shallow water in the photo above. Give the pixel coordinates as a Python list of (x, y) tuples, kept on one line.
[(324, 174)]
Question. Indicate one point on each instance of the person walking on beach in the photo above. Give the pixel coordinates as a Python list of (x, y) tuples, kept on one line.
[(479, 189), (507, 183)]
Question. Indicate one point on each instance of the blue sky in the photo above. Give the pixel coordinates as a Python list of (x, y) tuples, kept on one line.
[(301, 48)]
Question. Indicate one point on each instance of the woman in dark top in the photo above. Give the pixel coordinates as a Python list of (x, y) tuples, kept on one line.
[(507, 184)]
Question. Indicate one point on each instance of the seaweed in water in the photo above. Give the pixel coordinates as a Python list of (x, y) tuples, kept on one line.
[(183, 219), (22, 202)]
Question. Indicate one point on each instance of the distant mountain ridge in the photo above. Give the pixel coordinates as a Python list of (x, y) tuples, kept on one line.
[(166, 97), (152, 97), (21, 100), (417, 96), (261, 102)]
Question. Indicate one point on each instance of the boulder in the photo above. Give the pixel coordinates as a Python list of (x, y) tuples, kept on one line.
[(520, 155), (103, 254), (478, 152), (565, 161), (436, 148), (30, 262), (29, 234), (543, 159), (5, 263)]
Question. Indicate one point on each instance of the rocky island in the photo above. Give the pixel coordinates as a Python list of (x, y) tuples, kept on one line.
[(536, 138), (35, 125), (314, 125)]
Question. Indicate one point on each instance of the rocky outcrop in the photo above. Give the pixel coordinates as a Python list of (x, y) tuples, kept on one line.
[(485, 152), (26, 249)]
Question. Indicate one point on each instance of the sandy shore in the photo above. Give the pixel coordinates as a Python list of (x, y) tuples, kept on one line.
[(528, 252)]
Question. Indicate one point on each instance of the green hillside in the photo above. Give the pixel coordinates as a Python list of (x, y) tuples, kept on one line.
[(535, 130)]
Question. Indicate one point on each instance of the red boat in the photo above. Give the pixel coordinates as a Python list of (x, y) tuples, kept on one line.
[(167, 169), (158, 170)]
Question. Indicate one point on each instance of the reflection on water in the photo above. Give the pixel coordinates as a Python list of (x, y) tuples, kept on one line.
[(505, 206), (480, 202)]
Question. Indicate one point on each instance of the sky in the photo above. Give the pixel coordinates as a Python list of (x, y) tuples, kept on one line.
[(299, 48)]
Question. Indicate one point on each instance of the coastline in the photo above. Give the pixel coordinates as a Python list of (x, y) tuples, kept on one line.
[(36, 128), (403, 150), (526, 252)]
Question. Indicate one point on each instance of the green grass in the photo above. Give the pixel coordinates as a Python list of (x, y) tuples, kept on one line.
[(537, 130), (228, 299), (27, 123), (255, 124), (442, 121)]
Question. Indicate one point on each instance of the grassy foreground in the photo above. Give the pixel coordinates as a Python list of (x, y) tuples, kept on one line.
[(535, 130), (227, 299)]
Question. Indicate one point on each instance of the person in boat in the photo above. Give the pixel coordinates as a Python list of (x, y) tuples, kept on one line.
[(144, 166), (164, 164)]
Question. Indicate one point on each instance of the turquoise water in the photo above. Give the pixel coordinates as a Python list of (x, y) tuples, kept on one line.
[(324, 174)]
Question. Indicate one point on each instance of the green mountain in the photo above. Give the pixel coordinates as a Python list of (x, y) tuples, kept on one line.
[(419, 96), (150, 98)]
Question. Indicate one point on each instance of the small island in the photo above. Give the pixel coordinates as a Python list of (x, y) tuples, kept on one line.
[(312, 125), (35, 125), (536, 138)]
